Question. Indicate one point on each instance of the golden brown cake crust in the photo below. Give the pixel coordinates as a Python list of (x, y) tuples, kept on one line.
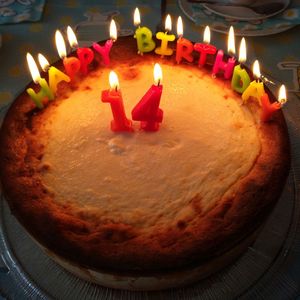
[(119, 247)]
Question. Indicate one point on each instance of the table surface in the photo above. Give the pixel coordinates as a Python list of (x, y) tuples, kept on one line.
[(279, 54)]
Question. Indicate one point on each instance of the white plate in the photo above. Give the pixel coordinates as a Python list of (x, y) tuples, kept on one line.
[(245, 13), (187, 9)]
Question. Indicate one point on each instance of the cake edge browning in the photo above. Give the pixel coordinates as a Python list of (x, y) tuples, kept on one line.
[(118, 247)]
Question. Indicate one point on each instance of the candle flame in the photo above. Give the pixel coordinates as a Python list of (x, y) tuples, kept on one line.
[(243, 51), (282, 99), (168, 23), (136, 17), (60, 44), (206, 36), (256, 69), (231, 41), (72, 37), (43, 62), (157, 74), (179, 27), (113, 81), (34, 71), (113, 30)]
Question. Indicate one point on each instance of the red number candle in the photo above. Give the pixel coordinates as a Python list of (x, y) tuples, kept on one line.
[(85, 55), (105, 50), (184, 47), (268, 109), (205, 48), (228, 66), (71, 64), (147, 110), (114, 97)]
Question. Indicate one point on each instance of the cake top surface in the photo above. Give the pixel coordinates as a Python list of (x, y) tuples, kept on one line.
[(207, 142)]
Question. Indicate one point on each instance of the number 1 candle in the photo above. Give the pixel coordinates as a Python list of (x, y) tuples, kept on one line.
[(71, 64), (147, 110), (114, 97), (256, 87), (240, 79), (184, 47), (45, 91), (228, 66), (105, 50), (165, 38), (143, 35), (205, 48), (85, 55)]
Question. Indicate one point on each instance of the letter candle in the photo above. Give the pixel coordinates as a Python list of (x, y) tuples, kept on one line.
[(205, 47), (55, 76), (240, 79), (256, 87), (228, 66), (105, 50), (143, 35), (147, 109), (71, 64), (184, 47), (45, 91), (85, 55), (268, 109), (165, 38), (114, 97)]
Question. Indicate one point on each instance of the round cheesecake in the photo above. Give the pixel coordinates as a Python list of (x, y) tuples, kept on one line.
[(143, 203)]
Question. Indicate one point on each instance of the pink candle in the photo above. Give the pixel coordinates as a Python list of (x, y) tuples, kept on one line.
[(205, 48), (184, 47), (114, 97), (147, 110), (85, 55), (105, 50), (220, 64)]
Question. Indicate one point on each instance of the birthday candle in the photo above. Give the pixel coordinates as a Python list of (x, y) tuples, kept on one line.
[(165, 38), (143, 35), (240, 79)]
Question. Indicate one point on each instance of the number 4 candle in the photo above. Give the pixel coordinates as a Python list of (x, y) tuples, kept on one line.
[(45, 91), (114, 97), (147, 110)]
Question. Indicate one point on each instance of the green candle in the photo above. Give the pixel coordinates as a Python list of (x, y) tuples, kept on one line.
[(143, 35), (240, 79)]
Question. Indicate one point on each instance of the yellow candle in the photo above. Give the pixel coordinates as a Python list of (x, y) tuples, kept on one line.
[(45, 91), (55, 75), (256, 87), (165, 38), (143, 35)]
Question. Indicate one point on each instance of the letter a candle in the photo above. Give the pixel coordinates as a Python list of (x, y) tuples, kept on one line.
[(114, 97), (147, 110)]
